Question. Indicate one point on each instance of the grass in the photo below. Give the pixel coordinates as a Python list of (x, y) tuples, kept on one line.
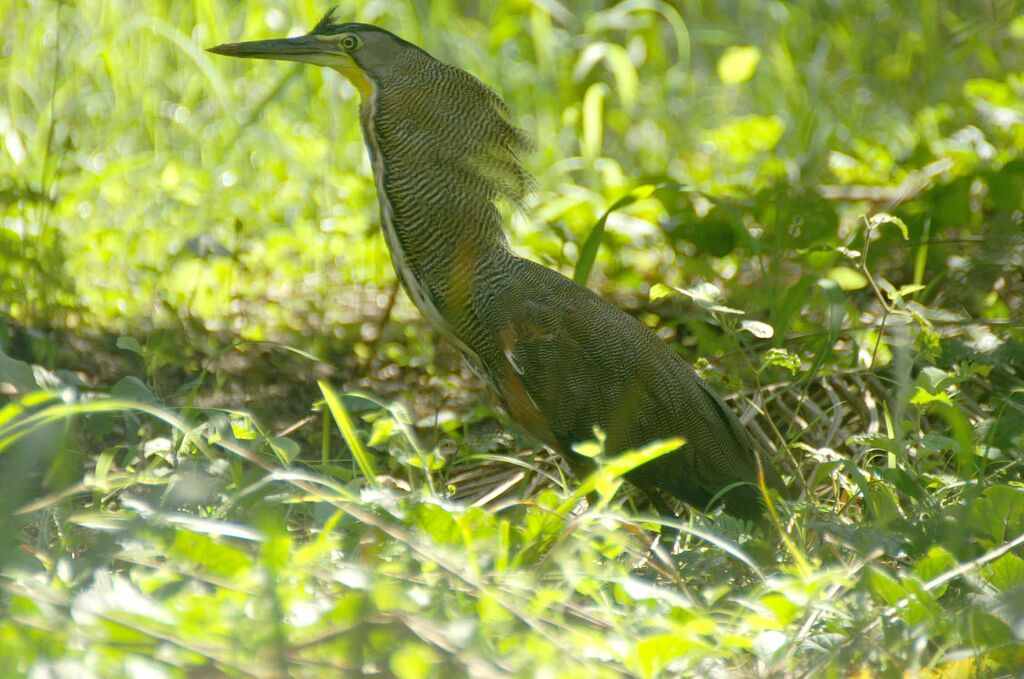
[(223, 452)]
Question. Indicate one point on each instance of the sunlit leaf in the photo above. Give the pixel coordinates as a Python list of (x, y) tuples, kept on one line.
[(413, 661), (848, 279), (783, 359), (737, 64), (758, 329), (348, 432), (882, 218), (593, 120), (1005, 573), (205, 552)]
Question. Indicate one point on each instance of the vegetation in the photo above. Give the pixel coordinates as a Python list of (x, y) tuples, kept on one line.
[(227, 446)]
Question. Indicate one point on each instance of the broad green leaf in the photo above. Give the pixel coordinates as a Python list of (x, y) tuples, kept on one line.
[(17, 373), (285, 448), (130, 344), (884, 586), (131, 388), (1005, 573), (848, 279), (935, 563), (757, 328), (652, 654)]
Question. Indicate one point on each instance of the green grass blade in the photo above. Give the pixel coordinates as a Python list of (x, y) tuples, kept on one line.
[(348, 432), (588, 253)]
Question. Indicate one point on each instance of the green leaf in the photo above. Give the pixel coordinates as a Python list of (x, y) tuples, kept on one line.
[(593, 121), (103, 466), (935, 563), (906, 290), (782, 359), (757, 329), (17, 373), (652, 654), (413, 660), (1005, 573), (738, 64), (884, 586), (130, 344), (848, 279), (382, 430), (660, 290), (243, 427), (131, 388), (934, 379), (932, 384), (438, 523), (606, 478), (999, 512), (921, 397), (627, 80), (593, 448), (285, 448), (882, 218), (209, 554), (986, 630), (706, 296), (588, 253)]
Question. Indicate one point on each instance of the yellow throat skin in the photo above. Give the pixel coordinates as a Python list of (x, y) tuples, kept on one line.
[(358, 79), (560, 360)]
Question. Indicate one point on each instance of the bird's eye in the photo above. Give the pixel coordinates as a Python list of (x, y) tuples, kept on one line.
[(349, 42)]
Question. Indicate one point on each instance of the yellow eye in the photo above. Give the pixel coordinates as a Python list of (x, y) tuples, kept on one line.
[(349, 42)]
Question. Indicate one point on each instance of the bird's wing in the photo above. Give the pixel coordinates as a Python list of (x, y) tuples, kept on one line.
[(576, 361)]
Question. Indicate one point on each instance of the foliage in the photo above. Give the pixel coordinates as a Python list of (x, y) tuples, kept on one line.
[(823, 201)]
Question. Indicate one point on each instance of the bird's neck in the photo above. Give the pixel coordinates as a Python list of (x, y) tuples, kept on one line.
[(443, 236)]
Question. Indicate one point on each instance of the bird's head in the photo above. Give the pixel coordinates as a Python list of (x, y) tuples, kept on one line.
[(428, 114), (363, 53)]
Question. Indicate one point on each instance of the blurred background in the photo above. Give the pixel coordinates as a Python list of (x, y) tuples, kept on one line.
[(146, 184)]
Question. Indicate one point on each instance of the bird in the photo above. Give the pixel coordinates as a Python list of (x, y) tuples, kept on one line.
[(559, 359)]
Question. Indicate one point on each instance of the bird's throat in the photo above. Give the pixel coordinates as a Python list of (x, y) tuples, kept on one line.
[(358, 78)]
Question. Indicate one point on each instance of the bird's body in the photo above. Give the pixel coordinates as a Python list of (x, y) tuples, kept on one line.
[(561, 360)]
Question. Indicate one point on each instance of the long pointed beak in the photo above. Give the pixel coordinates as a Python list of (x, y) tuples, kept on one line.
[(302, 48)]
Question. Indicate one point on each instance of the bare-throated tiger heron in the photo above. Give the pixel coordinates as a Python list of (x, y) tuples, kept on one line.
[(561, 359)]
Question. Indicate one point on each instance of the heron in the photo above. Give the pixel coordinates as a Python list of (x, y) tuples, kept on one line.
[(560, 360)]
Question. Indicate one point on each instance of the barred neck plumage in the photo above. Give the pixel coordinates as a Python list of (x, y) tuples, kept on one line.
[(443, 153)]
